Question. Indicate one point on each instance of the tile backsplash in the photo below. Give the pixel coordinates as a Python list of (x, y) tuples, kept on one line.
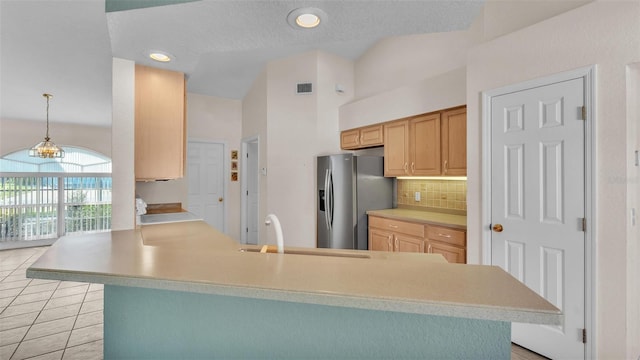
[(444, 194)]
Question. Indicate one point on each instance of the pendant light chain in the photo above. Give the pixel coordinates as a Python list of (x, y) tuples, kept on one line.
[(48, 96)]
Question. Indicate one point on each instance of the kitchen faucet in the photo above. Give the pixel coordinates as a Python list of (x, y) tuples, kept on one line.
[(276, 223)]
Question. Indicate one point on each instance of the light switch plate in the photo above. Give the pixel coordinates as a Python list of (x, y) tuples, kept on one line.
[(417, 195)]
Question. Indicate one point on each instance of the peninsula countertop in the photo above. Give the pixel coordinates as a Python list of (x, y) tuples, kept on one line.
[(194, 257), (425, 217)]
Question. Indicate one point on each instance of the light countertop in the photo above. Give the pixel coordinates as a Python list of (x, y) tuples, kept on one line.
[(194, 257), (425, 217)]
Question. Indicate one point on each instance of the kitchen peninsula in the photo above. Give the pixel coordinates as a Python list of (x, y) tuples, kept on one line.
[(185, 290)]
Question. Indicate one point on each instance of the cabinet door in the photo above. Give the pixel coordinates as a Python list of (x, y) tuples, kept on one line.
[(408, 244), (425, 145), (159, 124), (452, 254), (380, 240), (350, 139), (396, 148), (371, 136), (454, 142)]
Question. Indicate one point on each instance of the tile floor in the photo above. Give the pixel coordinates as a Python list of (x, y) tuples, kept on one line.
[(53, 320), (46, 319)]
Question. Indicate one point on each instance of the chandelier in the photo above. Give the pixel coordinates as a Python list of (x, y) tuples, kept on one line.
[(46, 148)]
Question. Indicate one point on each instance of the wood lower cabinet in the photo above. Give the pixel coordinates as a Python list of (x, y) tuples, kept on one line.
[(406, 236), (394, 235), (405, 243), (450, 243), (452, 254), (380, 240), (360, 138)]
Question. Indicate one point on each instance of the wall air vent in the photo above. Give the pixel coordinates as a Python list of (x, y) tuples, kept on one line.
[(304, 88)]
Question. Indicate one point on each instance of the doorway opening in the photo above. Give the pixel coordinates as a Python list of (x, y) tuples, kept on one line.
[(250, 192)]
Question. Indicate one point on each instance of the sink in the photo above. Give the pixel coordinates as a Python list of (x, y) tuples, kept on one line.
[(266, 249)]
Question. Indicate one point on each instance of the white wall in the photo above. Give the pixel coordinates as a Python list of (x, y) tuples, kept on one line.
[(254, 123), (332, 70), (402, 61), (291, 124), (217, 119), (122, 154), (20, 134), (602, 33), (633, 230), (426, 95), (293, 130), (504, 17)]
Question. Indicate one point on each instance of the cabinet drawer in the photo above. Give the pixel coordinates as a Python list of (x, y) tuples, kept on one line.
[(402, 227), (446, 235)]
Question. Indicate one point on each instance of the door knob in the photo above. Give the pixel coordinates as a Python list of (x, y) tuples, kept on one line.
[(497, 228), (220, 199)]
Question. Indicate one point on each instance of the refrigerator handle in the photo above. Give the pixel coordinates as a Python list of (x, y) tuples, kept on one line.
[(330, 208), (326, 198)]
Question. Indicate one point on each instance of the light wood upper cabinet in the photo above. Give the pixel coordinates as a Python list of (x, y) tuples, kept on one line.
[(360, 138), (431, 144), (424, 145), (396, 148), (454, 142), (160, 124)]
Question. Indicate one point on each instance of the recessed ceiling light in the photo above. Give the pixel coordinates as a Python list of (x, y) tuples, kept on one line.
[(160, 56), (306, 18)]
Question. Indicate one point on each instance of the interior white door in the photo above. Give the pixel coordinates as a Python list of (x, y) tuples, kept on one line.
[(205, 164), (252, 193), (538, 200)]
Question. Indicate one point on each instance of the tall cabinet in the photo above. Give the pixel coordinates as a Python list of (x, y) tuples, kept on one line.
[(160, 124)]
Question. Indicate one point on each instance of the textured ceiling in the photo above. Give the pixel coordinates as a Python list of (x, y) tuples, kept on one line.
[(65, 47)]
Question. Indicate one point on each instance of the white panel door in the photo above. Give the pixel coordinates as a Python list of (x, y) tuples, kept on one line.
[(537, 190), (205, 171)]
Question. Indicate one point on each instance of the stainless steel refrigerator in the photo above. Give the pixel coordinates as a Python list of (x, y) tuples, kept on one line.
[(347, 187)]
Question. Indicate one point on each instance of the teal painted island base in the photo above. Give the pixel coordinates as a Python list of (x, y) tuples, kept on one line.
[(144, 323)]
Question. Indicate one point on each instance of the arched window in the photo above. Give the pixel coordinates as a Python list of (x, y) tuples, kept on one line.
[(43, 199)]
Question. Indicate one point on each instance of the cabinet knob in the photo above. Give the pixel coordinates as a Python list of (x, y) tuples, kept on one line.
[(497, 228), (220, 199)]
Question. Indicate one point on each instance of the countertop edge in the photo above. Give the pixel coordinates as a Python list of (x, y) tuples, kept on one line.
[(328, 299), (388, 215)]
